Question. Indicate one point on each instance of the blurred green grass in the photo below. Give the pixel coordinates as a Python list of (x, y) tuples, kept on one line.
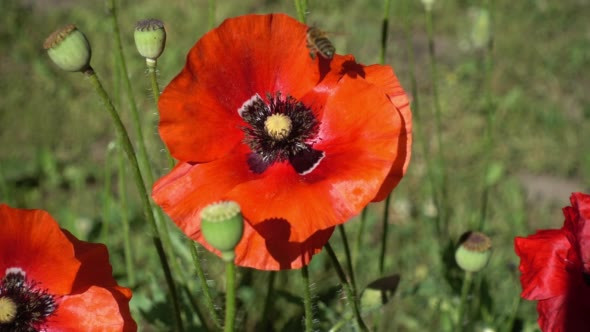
[(54, 137)]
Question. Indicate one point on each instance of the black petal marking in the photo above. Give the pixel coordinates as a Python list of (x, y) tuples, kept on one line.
[(306, 160)]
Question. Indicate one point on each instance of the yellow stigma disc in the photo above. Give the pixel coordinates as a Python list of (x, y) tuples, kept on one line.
[(7, 310), (278, 126)]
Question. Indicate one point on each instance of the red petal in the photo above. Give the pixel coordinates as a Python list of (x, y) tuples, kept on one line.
[(188, 188), (32, 240), (545, 270), (97, 309), (244, 56), (568, 312), (359, 135), (384, 78), (578, 223)]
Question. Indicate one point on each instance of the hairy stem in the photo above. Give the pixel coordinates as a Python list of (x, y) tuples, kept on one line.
[(347, 288), (148, 213)]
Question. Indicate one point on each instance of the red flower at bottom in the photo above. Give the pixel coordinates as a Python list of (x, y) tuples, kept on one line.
[(51, 281), (555, 267), (301, 144)]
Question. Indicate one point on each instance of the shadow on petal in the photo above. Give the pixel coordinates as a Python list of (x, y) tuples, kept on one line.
[(276, 233)]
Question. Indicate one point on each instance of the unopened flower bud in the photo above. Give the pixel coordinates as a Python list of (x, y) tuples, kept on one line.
[(68, 48), (150, 38), (473, 252), (222, 226)]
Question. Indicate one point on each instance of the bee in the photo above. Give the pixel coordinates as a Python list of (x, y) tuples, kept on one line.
[(318, 43)]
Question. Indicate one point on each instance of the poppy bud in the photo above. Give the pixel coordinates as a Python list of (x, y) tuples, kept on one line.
[(473, 252), (68, 48), (150, 38), (222, 226)]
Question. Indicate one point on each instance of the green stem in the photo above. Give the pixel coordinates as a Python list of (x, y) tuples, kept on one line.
[(129, 151), (125, 220), (152, 66), (359, 234), (348, 257), (204, 287), (4, 189), (349, 294), (464, 291), (443, 197), (490, 112), (384, 31), (301, 7), (268, 300), (385, 221), (144, 162), (230, 296), (307, 304), (417, 124), (211, 14), (143, 156), (106, 208), (196, 308)]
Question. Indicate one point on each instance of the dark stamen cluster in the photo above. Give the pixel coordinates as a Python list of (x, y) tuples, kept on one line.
[(268, 150), (34, 305)]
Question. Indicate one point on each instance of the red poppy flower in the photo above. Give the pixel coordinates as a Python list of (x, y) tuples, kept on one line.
[(301, 143), (51, 281), (555, 267)]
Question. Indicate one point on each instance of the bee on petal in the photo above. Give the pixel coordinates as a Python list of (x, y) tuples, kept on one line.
[(317, 42)]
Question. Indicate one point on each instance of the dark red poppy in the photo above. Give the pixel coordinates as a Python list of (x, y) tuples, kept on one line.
[(301, 143), (555, 267), (51, 281)]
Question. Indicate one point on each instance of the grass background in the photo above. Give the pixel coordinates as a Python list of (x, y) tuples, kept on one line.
[(57, 149)]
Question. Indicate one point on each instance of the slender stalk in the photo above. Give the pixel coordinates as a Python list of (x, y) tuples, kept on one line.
[(307, 305), (196, 308), (106, 206), (347, 288), (384, 31), (443, 208), (129, 151), (122, 184), (490, 112), (230, 296), (417, 124), (143, 155), (268, 300), (301, 7), (359, 234), (144, 162), (211, 14), (348, 257), (385, 220), (4, 189), (204, 287), (464, 291), (152, 66)]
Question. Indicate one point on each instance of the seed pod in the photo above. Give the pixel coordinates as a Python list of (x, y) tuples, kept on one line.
[(222, 226), (68, 48), (150, 38), (473, 252)]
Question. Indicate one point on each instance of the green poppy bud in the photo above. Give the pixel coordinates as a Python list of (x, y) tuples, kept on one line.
[(222, 226), (68, 48), (473, 252), (150, 38)]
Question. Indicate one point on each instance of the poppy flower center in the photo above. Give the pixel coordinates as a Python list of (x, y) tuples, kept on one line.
[(278, 126), (281, 129), (23, 306)]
